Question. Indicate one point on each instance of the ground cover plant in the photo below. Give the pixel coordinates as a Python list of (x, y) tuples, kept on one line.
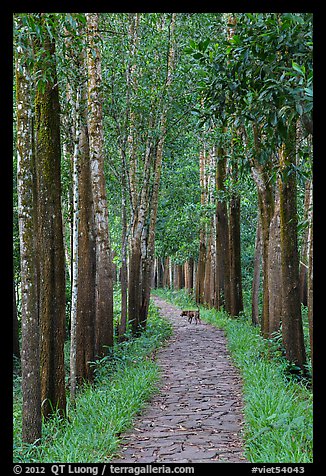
[(278, 408), (123, 385)]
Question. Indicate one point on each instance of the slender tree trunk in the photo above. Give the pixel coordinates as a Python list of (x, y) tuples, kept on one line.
[(124, 269), (304, 258), (261, 176), (235, 257), (200, 281), (200, 276), (104, 285), (166, 273), (265, 192), (86, 302), (30, 353), (292, 330), (50, 236), (159, 283), (223, 291), (256, 276), (310, 295), (275, 270), (208, 274), (156, 179), (75, 254), (134, 289), (16, 347), (186, 270)]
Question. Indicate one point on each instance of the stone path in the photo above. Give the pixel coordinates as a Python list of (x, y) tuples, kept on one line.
[(196, 417)]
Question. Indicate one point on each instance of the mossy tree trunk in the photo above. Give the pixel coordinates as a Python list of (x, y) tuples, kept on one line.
[(30, 353), (50, 232)]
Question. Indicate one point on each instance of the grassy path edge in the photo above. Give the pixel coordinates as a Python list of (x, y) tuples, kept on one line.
[(278, 411)]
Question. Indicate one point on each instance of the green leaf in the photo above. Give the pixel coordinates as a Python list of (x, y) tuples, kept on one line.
[(299, 108), (298, 69)]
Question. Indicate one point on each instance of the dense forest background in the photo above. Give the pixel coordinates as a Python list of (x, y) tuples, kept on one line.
[(157, 150)]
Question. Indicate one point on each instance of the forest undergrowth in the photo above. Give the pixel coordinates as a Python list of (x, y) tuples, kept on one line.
[(277, 402), (124, 382)]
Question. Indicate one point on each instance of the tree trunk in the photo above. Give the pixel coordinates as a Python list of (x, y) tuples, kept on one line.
[(275, 270), (256, 276), (200, 276), (261, 176), (200, 281), (223, 291), (104, 285), (16, 347), (86, 302), (235, 257), (208, 274), (30, 353), (123, 275), (166, 273), (310, 295), (304, 258), (156, 179), (266, 211), (159, 282), (50, 236), (134, 288), (292, 330), (75, 240), (188, 275)]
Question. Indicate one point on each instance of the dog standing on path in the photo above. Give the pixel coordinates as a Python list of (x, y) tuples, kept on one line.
[(192, 315)]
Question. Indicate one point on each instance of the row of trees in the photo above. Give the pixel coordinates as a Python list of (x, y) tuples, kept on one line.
[(106, 105), (61, 173), (255, 110)]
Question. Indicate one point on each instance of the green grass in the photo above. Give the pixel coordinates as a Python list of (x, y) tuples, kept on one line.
[(124, 383), (278, 409)]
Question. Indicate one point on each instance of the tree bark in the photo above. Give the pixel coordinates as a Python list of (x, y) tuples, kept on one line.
[(50, 236), (275, 270), (256, 276), (86, 302), (304, 257), (310, 296), (16, 346), (156, 178), (223, 290), (104, 284), (200, 281), (208, 274), (30, 353), (261, 176), (235, 257), (166, 273), (292, 330), (75, 254)]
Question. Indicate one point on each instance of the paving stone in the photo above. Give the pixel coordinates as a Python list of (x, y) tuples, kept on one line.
[(197, 415)]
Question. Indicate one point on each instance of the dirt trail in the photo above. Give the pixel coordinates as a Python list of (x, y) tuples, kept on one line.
[(196, 416)]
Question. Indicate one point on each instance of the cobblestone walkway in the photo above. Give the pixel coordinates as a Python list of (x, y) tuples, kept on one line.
[(196, 417)]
